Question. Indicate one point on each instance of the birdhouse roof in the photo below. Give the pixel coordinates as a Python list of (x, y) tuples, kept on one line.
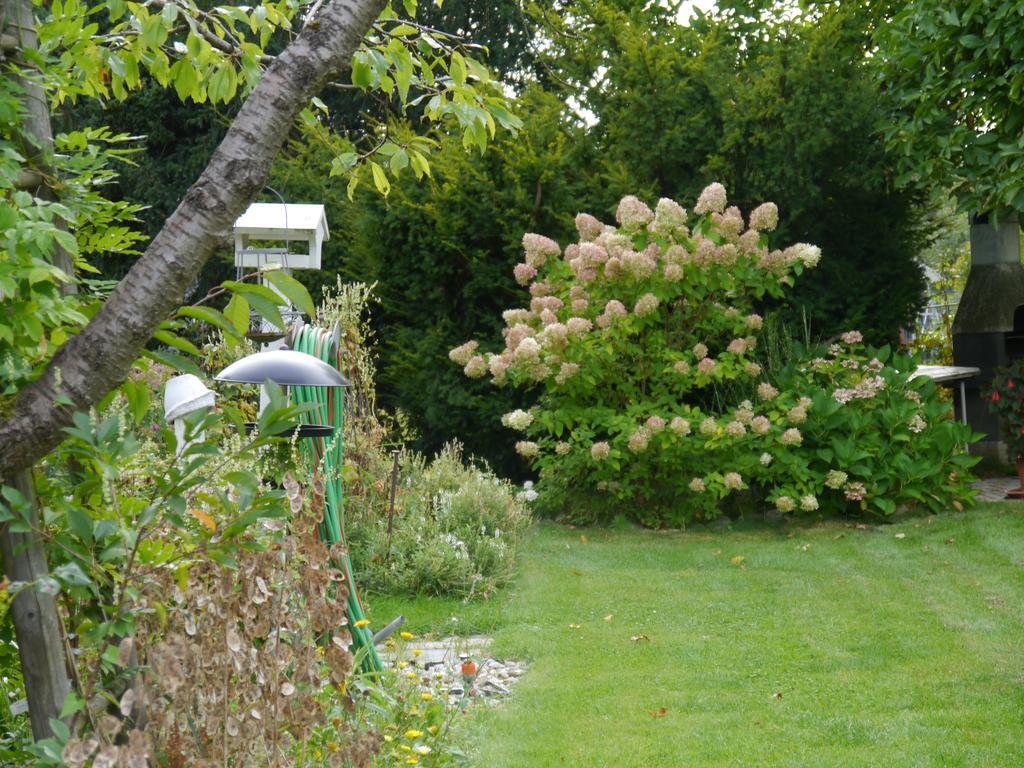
[(270, 218)]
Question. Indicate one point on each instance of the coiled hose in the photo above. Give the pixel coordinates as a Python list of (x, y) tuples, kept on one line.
[(328, 454)]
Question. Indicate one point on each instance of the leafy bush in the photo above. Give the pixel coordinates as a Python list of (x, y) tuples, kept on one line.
[(455, 529), (643, 342), (874, 438)]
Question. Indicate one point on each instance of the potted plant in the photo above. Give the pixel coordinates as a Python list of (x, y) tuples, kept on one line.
[(1006, 399)]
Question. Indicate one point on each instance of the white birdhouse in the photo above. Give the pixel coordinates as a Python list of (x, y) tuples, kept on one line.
[(297, 231)]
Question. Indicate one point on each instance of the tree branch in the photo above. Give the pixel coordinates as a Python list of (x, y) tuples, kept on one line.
[(100, 357)]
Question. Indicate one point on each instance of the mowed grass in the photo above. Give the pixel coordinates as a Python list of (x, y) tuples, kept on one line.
[(766, 646)]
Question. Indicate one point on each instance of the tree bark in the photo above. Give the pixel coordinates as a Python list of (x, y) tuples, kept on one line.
[(100, 357), (36, 624)]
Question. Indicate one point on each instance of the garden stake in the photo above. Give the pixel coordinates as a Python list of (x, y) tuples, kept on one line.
[(391, 508)]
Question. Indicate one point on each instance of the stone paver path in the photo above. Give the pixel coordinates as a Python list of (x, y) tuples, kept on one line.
[(440, 664), (995, 488)]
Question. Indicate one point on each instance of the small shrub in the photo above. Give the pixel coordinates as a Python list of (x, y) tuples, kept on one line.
[(455, 530)]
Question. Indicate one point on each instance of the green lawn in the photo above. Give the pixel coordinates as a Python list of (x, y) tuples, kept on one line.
[(822, 646)]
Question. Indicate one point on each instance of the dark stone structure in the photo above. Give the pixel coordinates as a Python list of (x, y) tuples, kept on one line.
[(988, 330)]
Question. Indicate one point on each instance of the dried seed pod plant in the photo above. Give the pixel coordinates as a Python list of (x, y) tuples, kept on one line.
[(242, 665)]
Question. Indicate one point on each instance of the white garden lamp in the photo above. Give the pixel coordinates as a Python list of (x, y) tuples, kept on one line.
[(183, 395)]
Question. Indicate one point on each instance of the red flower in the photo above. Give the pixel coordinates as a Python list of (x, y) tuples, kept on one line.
[(1009, 383), (995, 397)]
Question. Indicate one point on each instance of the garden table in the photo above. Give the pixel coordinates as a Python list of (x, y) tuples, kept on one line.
[(949, 374)]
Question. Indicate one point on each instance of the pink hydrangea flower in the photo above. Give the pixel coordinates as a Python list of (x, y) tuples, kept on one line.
[(760, 425), (562, 448), (682, 367), (700, 350), (579, 326), (712, 199), (785, 504), (632, 213), (809, 503), (754, 322), (655, 424), (765, 217), (697, 485), (766, 391), (792, 436), (588, 226), (538, 248), (639, 440), (579, 306), (855, 491), (646, 305), (680, 426), (475, 367), (462, 354), (737, 346), (566, 372), (707, 366), (673, 272), (852, 337), (527, 449), (732, 481), (752, 369), (524, 273), (599, 451), (735, 429)]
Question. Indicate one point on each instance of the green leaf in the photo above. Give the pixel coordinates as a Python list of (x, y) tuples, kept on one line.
[(380, 179), (215, 318), (293, 290), (173, 340), (237, 313), (362, 75), (175, 361)]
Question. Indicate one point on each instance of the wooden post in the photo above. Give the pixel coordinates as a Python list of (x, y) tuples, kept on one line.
[(36, 623)]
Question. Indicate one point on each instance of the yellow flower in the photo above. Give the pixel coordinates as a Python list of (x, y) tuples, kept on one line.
[(411, 675), (416, 652), (407, 635), (362, 623), (426, 696), (318, 754), (388, 737), (332, 746), (432, 729), (402, 665), (413, 760), (412, 733)]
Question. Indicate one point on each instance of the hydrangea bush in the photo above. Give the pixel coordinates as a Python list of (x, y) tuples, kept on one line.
[(643, 340)]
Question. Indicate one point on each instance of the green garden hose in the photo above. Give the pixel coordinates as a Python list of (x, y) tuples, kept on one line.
[(328, 454)]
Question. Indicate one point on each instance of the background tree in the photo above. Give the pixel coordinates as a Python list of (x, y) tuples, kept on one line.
[(955, 74)]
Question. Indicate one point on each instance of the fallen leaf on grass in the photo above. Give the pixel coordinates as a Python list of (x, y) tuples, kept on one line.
[(950, 541), (608, 617), (839, 536), (658, 712), (716, 552), (577, 573), (638, 638), (583, 538), (901, 535), (574, 626), (861, 526), (737, 559), (777, 695)]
